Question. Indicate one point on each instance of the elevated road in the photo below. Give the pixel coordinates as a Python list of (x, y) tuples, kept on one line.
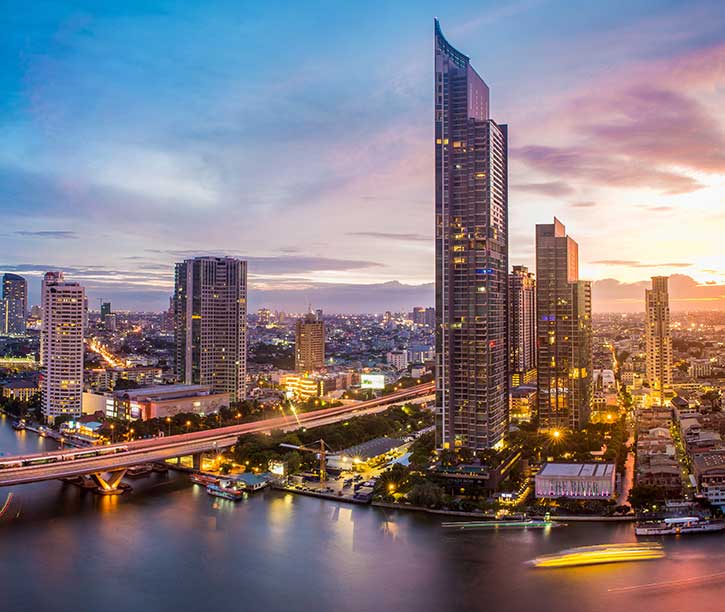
[(161, 448)]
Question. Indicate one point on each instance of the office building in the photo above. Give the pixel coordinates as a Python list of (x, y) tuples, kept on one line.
[(14, 306), (471, 236), (522, 325), (105, 310), (210, 324), (658, 338), (564, 331), (61, 347), (309, 344)]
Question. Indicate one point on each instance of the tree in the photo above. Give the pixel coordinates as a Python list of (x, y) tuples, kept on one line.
[(644, 496), (426, 494), (124, 383)]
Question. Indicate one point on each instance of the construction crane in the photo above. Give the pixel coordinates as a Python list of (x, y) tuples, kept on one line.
[(322, 449)]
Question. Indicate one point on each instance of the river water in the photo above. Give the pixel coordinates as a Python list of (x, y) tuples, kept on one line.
[(168, 546)]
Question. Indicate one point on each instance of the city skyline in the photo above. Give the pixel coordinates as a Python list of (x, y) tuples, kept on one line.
[(182, 153)]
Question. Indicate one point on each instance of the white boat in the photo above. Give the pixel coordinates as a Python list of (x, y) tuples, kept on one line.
[(678, 525)]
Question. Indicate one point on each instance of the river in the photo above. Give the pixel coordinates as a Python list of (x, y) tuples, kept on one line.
[(168, 546)]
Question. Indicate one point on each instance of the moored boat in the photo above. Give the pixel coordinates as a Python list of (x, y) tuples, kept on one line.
[(19, 425), (203, 479), (677, 526), (603, 553), (226, 490), (525, 524)]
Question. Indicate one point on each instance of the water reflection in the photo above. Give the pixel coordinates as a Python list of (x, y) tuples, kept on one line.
[(167, 545)]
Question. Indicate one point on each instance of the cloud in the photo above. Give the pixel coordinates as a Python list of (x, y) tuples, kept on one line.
[(394, 236), (280, 264), (598, 167), (610, 295), (587, 204), (60, 234), (638, 264), (553, 188)]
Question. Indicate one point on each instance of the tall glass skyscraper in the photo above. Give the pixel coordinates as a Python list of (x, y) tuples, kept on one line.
[(564, 331), (14, 307), (471, 202), (210, 324)]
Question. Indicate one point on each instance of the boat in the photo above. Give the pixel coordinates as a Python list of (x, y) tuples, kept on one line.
[(203, 479), (678, 525), (19, 425), (602, 553), (525, 524), (225, 490), (137, 471)]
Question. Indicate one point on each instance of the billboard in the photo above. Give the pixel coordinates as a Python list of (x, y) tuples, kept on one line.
[(372, 381)]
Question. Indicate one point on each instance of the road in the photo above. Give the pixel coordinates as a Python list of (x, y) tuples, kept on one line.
[(158, 449)]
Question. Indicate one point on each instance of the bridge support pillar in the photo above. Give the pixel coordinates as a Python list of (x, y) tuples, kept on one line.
[(196, 461), (109, 483)]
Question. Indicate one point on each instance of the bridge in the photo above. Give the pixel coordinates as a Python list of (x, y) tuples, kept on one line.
[(106, 470)]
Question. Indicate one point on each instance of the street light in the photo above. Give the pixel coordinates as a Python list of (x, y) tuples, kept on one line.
[(168, 422), (112, 432)]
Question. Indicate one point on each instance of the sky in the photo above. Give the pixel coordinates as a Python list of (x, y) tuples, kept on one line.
[(300, 137)]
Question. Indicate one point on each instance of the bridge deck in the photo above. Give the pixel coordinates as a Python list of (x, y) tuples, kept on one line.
[(161, 448)]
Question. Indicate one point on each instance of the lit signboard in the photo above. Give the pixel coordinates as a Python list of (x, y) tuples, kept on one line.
[(372, 381)]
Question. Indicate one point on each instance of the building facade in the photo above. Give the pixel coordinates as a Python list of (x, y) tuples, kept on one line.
[(576, 481), (471, 207), (522, 323), (166, 401), (61, 347), (658, 337), (564, 331), (210, 324), (14, 308), (309, 343)]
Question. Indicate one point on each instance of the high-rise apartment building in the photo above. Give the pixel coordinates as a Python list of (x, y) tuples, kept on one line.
[(471, 203), (564, 331), (210, 324), (14, 305), (309, 343), (61, 347), (658, 338), (522, 325)]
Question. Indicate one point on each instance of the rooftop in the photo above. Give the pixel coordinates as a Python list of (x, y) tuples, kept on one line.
[(581, 470)]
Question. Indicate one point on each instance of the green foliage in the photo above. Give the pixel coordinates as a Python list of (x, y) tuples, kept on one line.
[(645, 496), (426, 494), (258, 449)]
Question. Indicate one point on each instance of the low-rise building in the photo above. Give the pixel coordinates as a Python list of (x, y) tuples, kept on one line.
[(576, 481), (167, 400), (21, 389), (522, 402)]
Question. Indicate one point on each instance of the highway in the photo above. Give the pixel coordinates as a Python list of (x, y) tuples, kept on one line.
[(158, 449)]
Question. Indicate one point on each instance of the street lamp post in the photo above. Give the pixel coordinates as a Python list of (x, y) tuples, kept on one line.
[(168, 422), (113, 427)]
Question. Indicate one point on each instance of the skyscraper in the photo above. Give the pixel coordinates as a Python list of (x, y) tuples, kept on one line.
[(522, 325), (105, 310), (61, 347), (210, 323), (309, 343), (658, 337), (564, 331), (14, 305), (471, 202)]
